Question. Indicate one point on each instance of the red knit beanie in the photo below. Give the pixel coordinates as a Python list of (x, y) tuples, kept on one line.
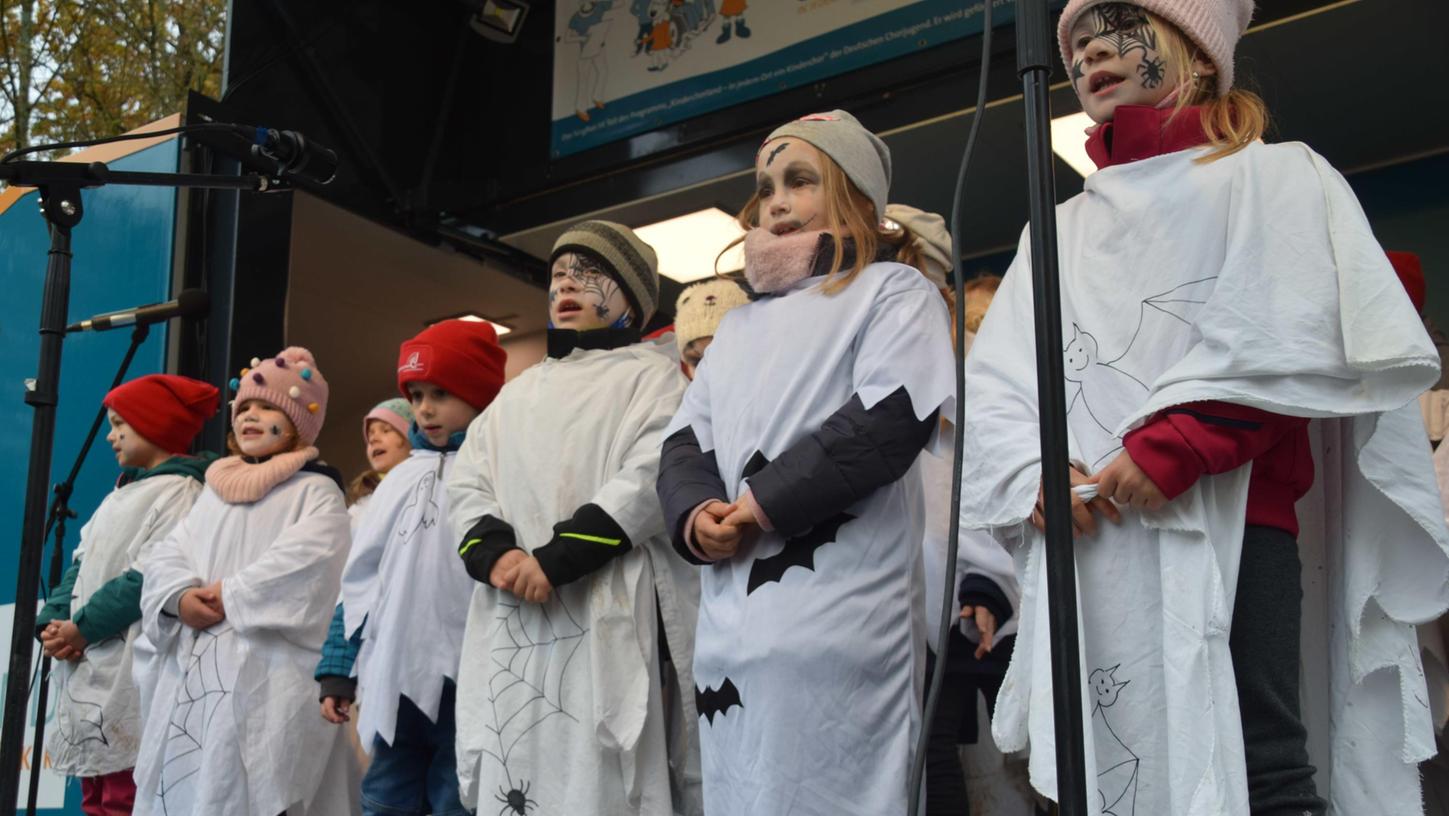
[(461, 356), (165, 409), (1411, 275)]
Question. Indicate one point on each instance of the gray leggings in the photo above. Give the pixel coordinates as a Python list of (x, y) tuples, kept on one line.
[(1264, 644)]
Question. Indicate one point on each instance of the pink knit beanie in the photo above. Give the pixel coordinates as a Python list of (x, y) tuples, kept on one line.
[(1215, 26), (292, 383)]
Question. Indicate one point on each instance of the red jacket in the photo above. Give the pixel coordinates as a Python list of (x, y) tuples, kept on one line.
[(1177, 446)]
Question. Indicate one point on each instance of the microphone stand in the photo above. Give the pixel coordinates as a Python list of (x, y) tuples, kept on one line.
[(1034, 59), (59, 512), (60, 185)]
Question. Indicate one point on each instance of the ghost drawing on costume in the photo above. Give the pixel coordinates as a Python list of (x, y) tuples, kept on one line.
[(589, 26), (1226, 315), (808, 412), (236, 602), (560, 705)]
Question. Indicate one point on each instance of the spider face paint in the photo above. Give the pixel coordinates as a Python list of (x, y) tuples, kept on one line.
[(788, 187), (261, 429), (1116, 61), (582, 295)]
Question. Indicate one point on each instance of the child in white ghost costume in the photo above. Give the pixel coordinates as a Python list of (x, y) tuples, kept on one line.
[(1230, 327), (91, 624), (788, 475), (397, 635), (237, 601), (560, 705)]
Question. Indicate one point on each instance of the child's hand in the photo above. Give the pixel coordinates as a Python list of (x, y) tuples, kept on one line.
[(51, 642), (1083, 520), (985, 624), (712, 536), (195, 611), (505, 569), (335, 709), (211, 596), (1125, 483), (71, 635), (529, 582)]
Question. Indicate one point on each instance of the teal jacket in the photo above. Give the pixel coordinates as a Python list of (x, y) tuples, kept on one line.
[(116, 604)]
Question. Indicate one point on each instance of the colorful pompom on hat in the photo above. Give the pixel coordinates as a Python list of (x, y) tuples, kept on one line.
[(291, 382)]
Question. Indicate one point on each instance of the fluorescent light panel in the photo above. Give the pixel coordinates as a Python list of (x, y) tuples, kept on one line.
[(474, 317), (688, 245), (1069, 142)]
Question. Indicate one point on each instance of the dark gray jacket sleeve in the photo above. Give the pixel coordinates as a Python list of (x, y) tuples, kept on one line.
[(855, 452), (687, 477)]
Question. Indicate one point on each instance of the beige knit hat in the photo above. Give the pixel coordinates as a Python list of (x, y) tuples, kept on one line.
[(1215, 26), (933, 240), (702, 306), (861, 154), (633, 263)]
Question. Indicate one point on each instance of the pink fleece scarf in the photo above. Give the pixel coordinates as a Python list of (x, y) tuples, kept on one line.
[(238, 481), (774, 263)]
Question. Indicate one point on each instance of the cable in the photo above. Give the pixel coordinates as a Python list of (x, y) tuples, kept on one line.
[(943, 639), (124, 137)]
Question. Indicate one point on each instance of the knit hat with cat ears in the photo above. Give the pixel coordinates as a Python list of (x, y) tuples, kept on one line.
[(289, 382)]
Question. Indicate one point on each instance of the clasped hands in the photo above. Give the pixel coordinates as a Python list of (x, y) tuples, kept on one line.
[(720, 529), (201, 607), (1122, 482)]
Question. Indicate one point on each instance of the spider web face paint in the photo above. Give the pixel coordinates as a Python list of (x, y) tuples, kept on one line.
[(583, 281)]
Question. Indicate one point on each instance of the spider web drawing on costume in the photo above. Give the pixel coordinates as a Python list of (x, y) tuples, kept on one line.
[(89, 724), (534, 644), (207, 681), (1096, 378), (1117, 779)]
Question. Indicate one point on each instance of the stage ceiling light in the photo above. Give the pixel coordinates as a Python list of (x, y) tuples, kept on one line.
[(1069, 142), (472, 317), (688, 244), (500, 20)]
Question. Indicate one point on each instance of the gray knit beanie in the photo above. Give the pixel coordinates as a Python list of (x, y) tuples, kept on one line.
[(861, 154), (633, 263)]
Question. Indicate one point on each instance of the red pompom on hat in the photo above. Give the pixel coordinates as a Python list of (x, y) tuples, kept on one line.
[(165, 409), (460, 356), (1411, 275)]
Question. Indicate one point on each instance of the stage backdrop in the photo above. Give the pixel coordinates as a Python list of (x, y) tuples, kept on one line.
[(122, 258), (623, 67)]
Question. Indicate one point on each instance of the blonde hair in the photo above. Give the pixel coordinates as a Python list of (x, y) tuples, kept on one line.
[(1231, 121), (364, 484), (847, 214)]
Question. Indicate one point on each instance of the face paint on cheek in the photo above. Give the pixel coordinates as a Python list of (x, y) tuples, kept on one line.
[(276, 431)]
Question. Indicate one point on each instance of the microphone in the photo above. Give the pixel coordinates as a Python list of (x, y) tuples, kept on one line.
[(289, 153), (188, 303)]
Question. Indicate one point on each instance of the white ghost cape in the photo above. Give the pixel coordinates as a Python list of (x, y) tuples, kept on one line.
[(405, 580), (98, 715), (813, 678), (560, 703), (233, 728), (1255, 280)]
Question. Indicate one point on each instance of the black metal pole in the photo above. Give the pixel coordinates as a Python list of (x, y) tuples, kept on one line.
[(1034, 56), (62, 207), (59, 512)]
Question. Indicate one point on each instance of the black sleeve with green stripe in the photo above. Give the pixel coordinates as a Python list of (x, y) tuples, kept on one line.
[(484, 544), (581, 545)]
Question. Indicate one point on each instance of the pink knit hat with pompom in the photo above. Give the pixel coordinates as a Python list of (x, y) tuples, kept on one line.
[(1215, 26), (292, 383)]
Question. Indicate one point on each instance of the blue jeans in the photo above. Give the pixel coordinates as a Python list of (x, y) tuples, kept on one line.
[(417, 774)]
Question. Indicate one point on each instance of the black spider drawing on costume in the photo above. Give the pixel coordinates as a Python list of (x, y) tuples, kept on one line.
[(1125, 27), (1153, 71), (515, 801)]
